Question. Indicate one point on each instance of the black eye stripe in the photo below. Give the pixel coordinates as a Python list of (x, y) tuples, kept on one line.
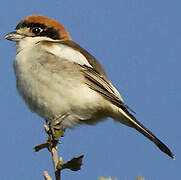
[(48, 32)]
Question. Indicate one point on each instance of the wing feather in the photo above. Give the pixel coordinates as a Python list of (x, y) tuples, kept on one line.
[(97, 82)]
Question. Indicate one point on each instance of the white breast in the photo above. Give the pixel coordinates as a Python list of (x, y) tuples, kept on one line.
[(49, 92)]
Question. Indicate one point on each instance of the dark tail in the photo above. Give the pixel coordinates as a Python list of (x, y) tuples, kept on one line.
[(139, 127)]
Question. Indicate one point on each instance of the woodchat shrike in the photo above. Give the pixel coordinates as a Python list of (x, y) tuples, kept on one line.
[(57, 76)]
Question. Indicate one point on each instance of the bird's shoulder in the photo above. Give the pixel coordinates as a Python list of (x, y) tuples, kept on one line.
[(72, 51)]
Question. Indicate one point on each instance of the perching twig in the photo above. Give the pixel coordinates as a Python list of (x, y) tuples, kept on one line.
[(53, 143), (55, 131), (54, 153)]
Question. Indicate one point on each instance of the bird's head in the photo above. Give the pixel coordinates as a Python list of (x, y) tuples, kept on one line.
[(38, 26)]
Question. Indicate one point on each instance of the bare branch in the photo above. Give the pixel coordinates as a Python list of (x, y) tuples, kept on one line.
[(54, 153), (41, 146), (55, 130)]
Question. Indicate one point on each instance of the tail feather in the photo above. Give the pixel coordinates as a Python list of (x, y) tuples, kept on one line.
[(139, 127)]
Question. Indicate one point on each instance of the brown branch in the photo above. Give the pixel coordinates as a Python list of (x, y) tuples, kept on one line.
[(55, 131), (41, 146), (53, 145), (54, 153)]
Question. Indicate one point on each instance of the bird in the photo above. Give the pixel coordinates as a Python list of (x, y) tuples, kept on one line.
[(56, 76)]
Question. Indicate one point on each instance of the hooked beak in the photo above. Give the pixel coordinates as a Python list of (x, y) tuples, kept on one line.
[(14, 36)]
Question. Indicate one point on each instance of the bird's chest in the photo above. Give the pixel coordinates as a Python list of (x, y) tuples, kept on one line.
[(43, 89), (53, 88)]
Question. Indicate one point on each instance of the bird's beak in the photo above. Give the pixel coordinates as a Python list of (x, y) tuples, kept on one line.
[(14, 36)]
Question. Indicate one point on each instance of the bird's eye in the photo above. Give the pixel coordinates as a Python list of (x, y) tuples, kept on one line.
[(36, 30)]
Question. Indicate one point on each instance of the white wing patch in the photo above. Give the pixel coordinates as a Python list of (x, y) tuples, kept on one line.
[(68, 53)]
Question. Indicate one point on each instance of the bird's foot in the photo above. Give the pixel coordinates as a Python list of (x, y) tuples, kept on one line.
[(56, 128)]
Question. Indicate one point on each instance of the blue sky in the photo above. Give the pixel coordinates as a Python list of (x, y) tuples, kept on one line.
[(138, 43)]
